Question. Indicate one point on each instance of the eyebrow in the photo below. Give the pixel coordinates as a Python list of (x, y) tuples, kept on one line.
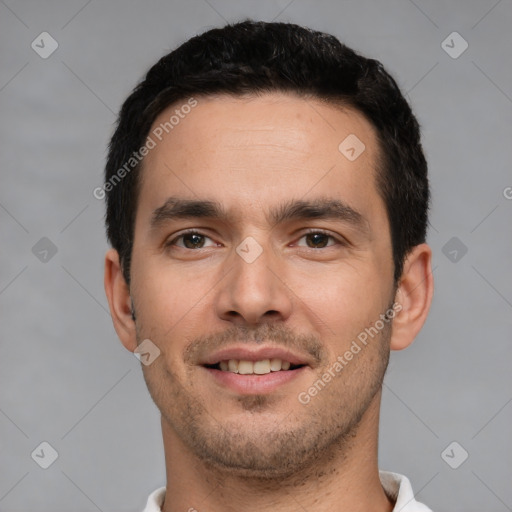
[(321, 208)]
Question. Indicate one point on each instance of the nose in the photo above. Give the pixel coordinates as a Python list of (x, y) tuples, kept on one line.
[(254, 291)]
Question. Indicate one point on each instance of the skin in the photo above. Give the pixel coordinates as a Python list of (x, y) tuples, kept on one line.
[(227, 451)]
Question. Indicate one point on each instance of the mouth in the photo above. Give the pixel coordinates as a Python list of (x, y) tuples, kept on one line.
[(259, 367), (249, 370)]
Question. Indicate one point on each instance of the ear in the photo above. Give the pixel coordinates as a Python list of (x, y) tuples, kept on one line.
[(119, 300), (414, 294)]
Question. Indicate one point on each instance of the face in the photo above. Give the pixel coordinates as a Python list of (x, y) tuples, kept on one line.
[(258, 240)]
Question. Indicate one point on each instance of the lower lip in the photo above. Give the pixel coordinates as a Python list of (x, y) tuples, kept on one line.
[(255, 384)]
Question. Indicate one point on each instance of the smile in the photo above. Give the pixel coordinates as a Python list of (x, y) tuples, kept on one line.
[(262, 367)]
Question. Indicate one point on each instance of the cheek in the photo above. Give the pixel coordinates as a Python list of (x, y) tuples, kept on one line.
[(172, 301), (340, 301), (166, 288), (345, 286)]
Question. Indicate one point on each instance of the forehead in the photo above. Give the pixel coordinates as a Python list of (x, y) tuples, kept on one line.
[(247, 150)]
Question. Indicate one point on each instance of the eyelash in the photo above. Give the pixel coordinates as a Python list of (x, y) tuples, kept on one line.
[(311, 231)]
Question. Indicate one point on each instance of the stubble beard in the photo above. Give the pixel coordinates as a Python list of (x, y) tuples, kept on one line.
[(300, 443)]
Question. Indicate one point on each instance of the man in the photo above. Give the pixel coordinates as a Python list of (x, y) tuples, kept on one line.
[(267, 201)]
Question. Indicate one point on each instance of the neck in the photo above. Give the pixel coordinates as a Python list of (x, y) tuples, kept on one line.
[(344, 478)]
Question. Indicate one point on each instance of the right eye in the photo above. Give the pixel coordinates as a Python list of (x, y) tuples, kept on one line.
[(190, 240)]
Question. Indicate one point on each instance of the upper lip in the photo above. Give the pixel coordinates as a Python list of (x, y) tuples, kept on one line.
[(259, 353)]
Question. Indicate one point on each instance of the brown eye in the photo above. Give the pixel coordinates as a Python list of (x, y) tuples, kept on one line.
[(318, 240), (190, 240), (193, 241)]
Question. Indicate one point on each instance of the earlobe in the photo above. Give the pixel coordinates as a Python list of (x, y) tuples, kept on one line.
[(119, 300), (414, 294)]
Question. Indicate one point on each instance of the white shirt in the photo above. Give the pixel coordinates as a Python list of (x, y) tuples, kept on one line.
[(397, 487)]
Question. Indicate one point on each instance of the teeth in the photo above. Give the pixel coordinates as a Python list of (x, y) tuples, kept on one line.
[(262, 367), (276, 364), (245, 367)]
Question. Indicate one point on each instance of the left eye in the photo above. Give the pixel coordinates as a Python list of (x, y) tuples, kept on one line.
[(318, 239)]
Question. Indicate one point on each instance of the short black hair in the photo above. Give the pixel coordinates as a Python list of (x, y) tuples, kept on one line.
[(255, 57)]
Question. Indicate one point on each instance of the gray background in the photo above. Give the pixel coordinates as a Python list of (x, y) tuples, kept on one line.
[(67, 380)]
